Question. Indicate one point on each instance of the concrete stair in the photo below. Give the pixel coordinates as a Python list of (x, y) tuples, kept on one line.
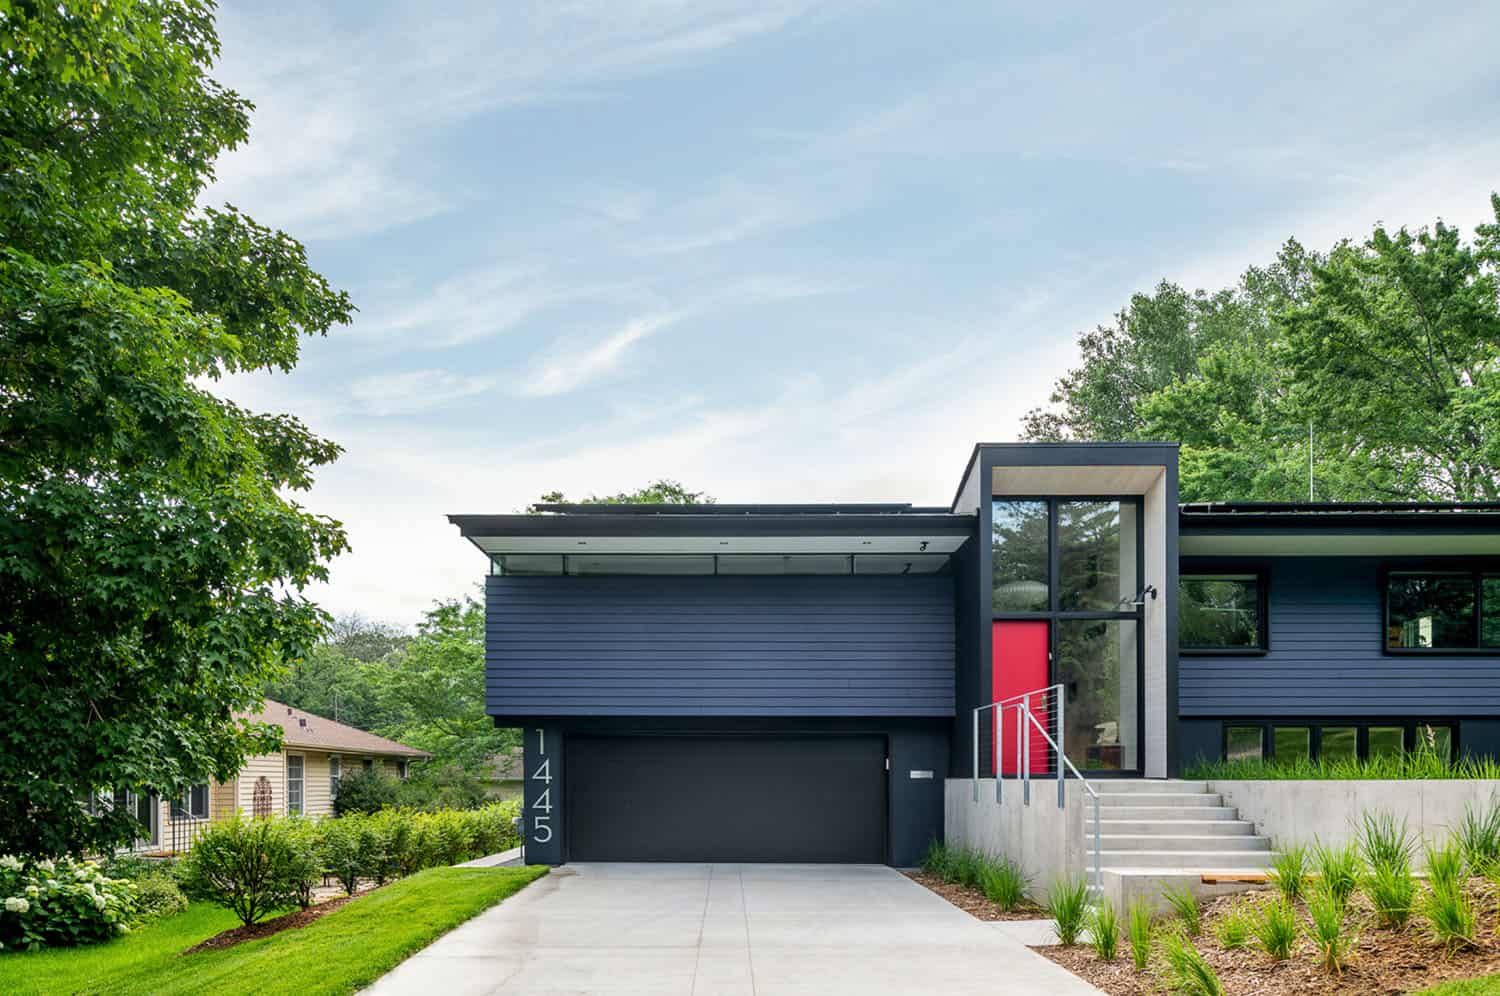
[(1155, 832)]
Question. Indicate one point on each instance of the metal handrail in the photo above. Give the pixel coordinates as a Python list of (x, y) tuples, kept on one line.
[(1027, 717)]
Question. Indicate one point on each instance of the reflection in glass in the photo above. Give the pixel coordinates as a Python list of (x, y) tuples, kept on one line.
[(1430, 610), (1244, 743), (1100, 717), (1386, 740), (1291, 743), (1339, 743), (1219, 612), (1489, 626), (1096, 556), (1437, 740), (1019, 543)]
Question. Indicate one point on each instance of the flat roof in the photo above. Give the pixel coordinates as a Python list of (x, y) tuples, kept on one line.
[(1331, 515)]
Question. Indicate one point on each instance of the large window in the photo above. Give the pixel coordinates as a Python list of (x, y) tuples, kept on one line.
[(1020, 556), (1221, 612), (1095, 556), (1287, 741), (1096, 665), (193, 805), (1442, 610), (294, 771)]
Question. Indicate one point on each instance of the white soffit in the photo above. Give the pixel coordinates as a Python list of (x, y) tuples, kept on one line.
[(719, 544), (1135, 479), (1303, 544)]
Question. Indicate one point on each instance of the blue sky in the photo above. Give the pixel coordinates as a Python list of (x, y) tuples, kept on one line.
[(785, 251)]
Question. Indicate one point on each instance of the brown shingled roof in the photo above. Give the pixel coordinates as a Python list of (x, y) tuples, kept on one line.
[(305, 729)]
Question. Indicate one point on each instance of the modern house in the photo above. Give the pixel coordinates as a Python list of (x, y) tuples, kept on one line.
[(799, 682), (303, 777)]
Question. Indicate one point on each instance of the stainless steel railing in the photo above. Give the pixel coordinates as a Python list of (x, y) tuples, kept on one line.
[(1039, 719)]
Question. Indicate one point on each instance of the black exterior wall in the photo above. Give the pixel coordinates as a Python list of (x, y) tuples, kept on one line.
[(917, 752)]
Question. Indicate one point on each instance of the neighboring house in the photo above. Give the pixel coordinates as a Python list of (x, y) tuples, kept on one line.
[(797, 682), (302, 778), (503, 774)]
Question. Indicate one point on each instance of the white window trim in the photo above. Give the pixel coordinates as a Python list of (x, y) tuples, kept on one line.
[(301, 782), (335, 774)]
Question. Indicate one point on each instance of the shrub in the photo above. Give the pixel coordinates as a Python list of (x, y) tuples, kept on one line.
[(1275, 929), (339, 850), (1450, 914), (249, 867), (1478, 834), (1186, 969), (1384, 842), (1104, 930), (158, 896), (61, 903), (1003, 882), (446, 786), (1067, 902), (305, 862), (1392, 890), (1138, 931), (1185, 905), (1289, 871), (365, 790), (1339, 870), (1233, 930), (1325, 907)]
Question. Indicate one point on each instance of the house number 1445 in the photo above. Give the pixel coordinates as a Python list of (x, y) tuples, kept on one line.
[(541, 806)]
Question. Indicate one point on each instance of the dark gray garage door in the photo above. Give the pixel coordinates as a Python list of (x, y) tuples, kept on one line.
[(731, 798)]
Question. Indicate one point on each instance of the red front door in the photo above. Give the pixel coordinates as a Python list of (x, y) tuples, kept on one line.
[(1018, 657)]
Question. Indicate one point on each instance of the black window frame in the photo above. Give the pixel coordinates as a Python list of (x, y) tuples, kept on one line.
[(1262, 573), (1409, 733), (1476, 569)]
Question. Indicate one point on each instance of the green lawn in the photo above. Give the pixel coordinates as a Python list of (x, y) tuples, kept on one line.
[(345, 950), (1489, 985)]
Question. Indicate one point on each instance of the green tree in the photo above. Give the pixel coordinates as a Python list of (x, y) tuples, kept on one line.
[(151, 557), (659, 492)]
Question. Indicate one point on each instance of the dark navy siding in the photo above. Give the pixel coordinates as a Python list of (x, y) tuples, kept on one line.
[(719, 646), (1326, 658)]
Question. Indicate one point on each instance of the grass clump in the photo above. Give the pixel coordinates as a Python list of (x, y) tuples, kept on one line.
[(1393, 892), (1446, 908), (1326, 909), (1104, 930), (1187, 972), (1422, 763), (1384, 842), (1275, 929), (1067, 904), (1185, 905), (1002, 882), (1339, 870), (1138, 932), (1289, 871), (1478, 834), (1000, 879), (1232, 930)]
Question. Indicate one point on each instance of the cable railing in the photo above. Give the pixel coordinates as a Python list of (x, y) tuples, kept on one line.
[(1034, 722)]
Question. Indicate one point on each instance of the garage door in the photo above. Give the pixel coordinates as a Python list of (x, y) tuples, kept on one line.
[(813, 799)]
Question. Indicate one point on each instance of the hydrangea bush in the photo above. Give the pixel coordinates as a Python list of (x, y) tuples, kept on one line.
[(61, 903)]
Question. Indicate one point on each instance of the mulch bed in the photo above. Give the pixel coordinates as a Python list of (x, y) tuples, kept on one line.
[(265, 928), (1383, 961), (973, 902)]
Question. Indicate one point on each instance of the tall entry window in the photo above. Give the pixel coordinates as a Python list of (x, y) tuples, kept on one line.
[(1075, 564)]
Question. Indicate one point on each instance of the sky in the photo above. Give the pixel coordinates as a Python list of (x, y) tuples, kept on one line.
[(782, 250)]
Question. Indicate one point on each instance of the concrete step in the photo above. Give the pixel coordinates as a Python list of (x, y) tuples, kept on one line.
[(1162, 813), (1116, 786), (1107, 798), (1225, 825), (1159, 842), (1189, 861)]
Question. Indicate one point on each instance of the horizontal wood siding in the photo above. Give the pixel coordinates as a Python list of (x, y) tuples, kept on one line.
[(720, 646), (1327, 659), (273, 767)]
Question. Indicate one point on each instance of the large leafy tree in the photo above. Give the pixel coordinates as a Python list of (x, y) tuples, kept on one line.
[(659, 492), (151, 557)]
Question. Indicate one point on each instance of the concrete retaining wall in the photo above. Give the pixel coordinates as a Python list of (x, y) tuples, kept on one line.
[(1045, 841), (1301, 812)]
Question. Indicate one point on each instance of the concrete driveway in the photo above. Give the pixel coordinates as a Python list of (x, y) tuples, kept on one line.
[(732, 930)]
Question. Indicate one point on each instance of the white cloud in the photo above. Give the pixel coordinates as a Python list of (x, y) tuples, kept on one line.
[(414, 391), (570, 367)]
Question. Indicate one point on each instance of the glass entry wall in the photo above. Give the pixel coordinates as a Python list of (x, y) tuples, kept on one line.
[(1075, 563)]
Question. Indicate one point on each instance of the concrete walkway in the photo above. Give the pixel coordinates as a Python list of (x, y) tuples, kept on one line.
[(727, 930)]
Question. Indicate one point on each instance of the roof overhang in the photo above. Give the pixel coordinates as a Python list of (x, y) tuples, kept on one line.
[(1347, 530)]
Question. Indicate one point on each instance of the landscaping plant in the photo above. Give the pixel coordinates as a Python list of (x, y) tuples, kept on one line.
[(1232, 930), (1138, 931), (1449, 914), (1446, 865), (1185, 905), (935, 861), (1289, 871), (1275, 929), (1392, 891), (158, 896), (1326, 909), (1104, 930), (1067, 904), (1339, 870), (1187, 972), (249, 867), (1478, 834), (61, 903), (1003, 882), (1385, 842)]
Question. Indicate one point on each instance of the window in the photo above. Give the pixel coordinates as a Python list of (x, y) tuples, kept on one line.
[(1291, 743), (1339, 743), (193, 805), (1221, 612), (401, 768), (335, 771), (1018, 542), (1386, 740), (1244, 743), (1096, 667), (1095, 555), (1489, 607), (367, 764), (1442, 610), (294, 770)]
